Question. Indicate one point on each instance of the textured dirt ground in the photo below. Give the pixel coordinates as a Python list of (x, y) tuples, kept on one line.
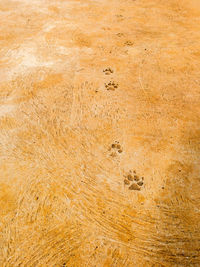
[(99, 133)]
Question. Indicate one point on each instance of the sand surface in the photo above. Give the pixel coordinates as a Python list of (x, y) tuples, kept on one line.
[(99, 133)]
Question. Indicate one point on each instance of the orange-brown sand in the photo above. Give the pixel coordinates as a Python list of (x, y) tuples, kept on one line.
[(99, 133)]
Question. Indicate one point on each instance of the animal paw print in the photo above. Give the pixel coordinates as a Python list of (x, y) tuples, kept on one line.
[(119, 17), (115, 149), (133, 181), (111, 86), (108, 71), (120, 34), (129, 43)]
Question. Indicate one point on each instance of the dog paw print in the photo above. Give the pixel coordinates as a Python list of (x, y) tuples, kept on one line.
[(108, 71), (128, 43), (111, 86), (120, 34), (115, 149), (133, 181), (119, 17)]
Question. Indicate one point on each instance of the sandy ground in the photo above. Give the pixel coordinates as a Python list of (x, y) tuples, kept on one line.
[(99, 133)]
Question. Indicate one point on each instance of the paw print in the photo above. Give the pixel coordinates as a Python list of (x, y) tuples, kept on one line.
[(119, 17), (133, 181), (108, 71), (120, 34), (106, 28), (115, 149), (129, 43), (111, 86)]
